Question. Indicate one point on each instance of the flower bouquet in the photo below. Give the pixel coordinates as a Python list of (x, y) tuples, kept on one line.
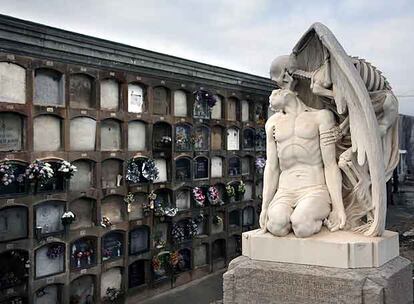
[(39, 172), (67, 169), (199, 196), (213, 195), (166, 140), (55, 250), (7, 175), (129, 199), (133, 173), (112, 295), (241, 189), (67, 218), (217, 220), (230, 192), (106, 222), (260, 163), (205, 96), (178, 233), (191, 228)]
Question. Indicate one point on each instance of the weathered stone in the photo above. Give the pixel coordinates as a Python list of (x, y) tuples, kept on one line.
[(248, 281)]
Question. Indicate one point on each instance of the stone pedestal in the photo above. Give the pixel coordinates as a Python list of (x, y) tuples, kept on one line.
[(254, 281)]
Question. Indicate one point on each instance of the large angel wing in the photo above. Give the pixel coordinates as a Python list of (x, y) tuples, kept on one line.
[(351, 100)]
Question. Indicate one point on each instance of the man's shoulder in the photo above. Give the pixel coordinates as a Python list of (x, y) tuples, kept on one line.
[(272, 120), (325, 115)]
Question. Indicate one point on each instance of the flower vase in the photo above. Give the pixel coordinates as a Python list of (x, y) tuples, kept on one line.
[(118, 252), (78, 263), (89, 260)]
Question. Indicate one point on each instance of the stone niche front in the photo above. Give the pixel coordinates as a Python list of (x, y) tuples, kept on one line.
[(137, 136), (112, 278), (136, 211), (200, 167), (233, 142), (81, 91), (183, 169), (246, 165), (13, 223), (259, 188), (234, 166), (180, 103), (112, 245), (135, 98), (109, 94), (84, 209), (161, 101), (136, 274), (183, 199), (48, 265), (13, 272), (161, 164), (245, 110), (53, 140), (234, 219), (139, 240), (83, 179), (217, 138), (232, 108), (201, 255), (216, 166), (48, 217), (12, 83), (49, 88), (248, 194), (110, 135), (218, 226), (216, 111), (48, 294), (11, 132), (82, 134), (219, 249), (113, 207), (248, 216), (82, 290), (111, 173)]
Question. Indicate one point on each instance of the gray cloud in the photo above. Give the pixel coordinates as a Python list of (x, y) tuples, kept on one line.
[(243, 35)]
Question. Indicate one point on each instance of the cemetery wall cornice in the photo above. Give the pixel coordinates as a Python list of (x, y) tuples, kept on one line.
[(33, 39)]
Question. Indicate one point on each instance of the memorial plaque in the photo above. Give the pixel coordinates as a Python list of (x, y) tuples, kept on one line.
[(232, 109), (13, 223), (216, 138), (233, 139), (53, 125), (136, 207), (12, 83), (135, 98), (84, 209), (201, 168), (216, 111), (161, 164), (11, 133), (112, 278), (183, 199), (80, 91), (82, 179), (112, 245), (136, 136), (161, 101), (82, 289), (82, 134), (109, 94), (48, 216), (200, 255), (245, 110), (216, 166), (110, 135), (183, 169), (180, 103), (139, 240), (48, 87), (136, 274), (47, 264)]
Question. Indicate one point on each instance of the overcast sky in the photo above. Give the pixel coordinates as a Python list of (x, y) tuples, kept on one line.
[(240, 34)]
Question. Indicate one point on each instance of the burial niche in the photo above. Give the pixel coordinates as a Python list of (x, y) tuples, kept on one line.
[(246, 165), (183, 169), (52, 139), (248, 194), (183, 199), (202, 225), (82, 290), (219, 249), (217, 138), (11, 132), (13, 270), (200, 167), (83, 253), (160, 264), (233, 139), (82, 134), (83, 179), (201, 255), (248, 216), (57, 182), (260, 139), (184, 260), (15, 187), (111, 279), (48, 294), (180, 103), (216, 110), (48, 217), (216, 166), (259, 188), (135, 98), (234, 245), (49, 88), (161, 136), (136, 211), (232, 108), (136, 274), (234, 166), (183, 140), (217, 225), (201, 138), (50, 259), (110, 135), (160, 235), (112, 245), (234, 219), (201, 109), (245, 110), (81, 91), (161, 105), (84, 209), (109, 94), (137, 136), (13, 223), (161, 164), (260, 113), (12, 83), (248, 139), (111, 173), (113, 208), (139, 240)]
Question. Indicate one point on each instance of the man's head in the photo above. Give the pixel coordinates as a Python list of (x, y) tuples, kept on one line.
[(280, 98)]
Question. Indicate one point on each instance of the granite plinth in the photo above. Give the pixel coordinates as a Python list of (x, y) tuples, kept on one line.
[(341, 249), (253, 281)]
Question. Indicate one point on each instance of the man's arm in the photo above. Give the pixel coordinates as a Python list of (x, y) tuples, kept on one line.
[(333, 176), (271, 172)]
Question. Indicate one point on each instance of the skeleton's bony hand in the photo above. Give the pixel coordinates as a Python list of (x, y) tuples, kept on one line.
[(336, 220)]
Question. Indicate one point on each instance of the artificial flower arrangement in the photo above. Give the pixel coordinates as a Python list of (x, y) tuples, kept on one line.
[(191, 228), (129, 199), (108, 252), (241, 188), (161, 209), (106, 222), (55, 251), (39, 171), (182, 140), (230, 191), (205, 96), (158, 242), (68, 218), (67, 169), (183, 231), (149, 170), (199, 196), (260, 137), (83, 252), (112, 295), (148, 206), (260, 163), (213, 195), (178, 233), (141, 171), (217, 220), (196, 140), (7, 173), (164, 262), (165, 140)]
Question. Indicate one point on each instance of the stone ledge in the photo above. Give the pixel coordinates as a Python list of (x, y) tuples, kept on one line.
[(252, 281), (341, 249)]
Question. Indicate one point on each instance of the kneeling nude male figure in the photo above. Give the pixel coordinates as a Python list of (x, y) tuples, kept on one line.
[(302, 181)]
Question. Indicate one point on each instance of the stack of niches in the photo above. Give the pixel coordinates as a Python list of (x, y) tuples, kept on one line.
[(165, 177)]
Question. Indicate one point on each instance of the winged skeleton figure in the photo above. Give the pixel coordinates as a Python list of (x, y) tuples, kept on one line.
[(366, 111)]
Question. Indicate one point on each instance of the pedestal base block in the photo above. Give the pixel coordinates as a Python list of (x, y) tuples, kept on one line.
[(342, 249), (252, 281)]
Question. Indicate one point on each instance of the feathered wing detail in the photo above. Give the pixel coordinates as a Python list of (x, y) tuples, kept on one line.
[(366, 196)]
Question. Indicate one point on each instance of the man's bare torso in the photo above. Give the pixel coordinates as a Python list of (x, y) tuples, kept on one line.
[(298, 149)]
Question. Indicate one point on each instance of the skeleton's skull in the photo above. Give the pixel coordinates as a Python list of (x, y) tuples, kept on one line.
[(280, 71)]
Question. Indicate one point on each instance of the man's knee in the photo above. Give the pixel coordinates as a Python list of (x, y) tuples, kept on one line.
[(303, 226), (278, 223)]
